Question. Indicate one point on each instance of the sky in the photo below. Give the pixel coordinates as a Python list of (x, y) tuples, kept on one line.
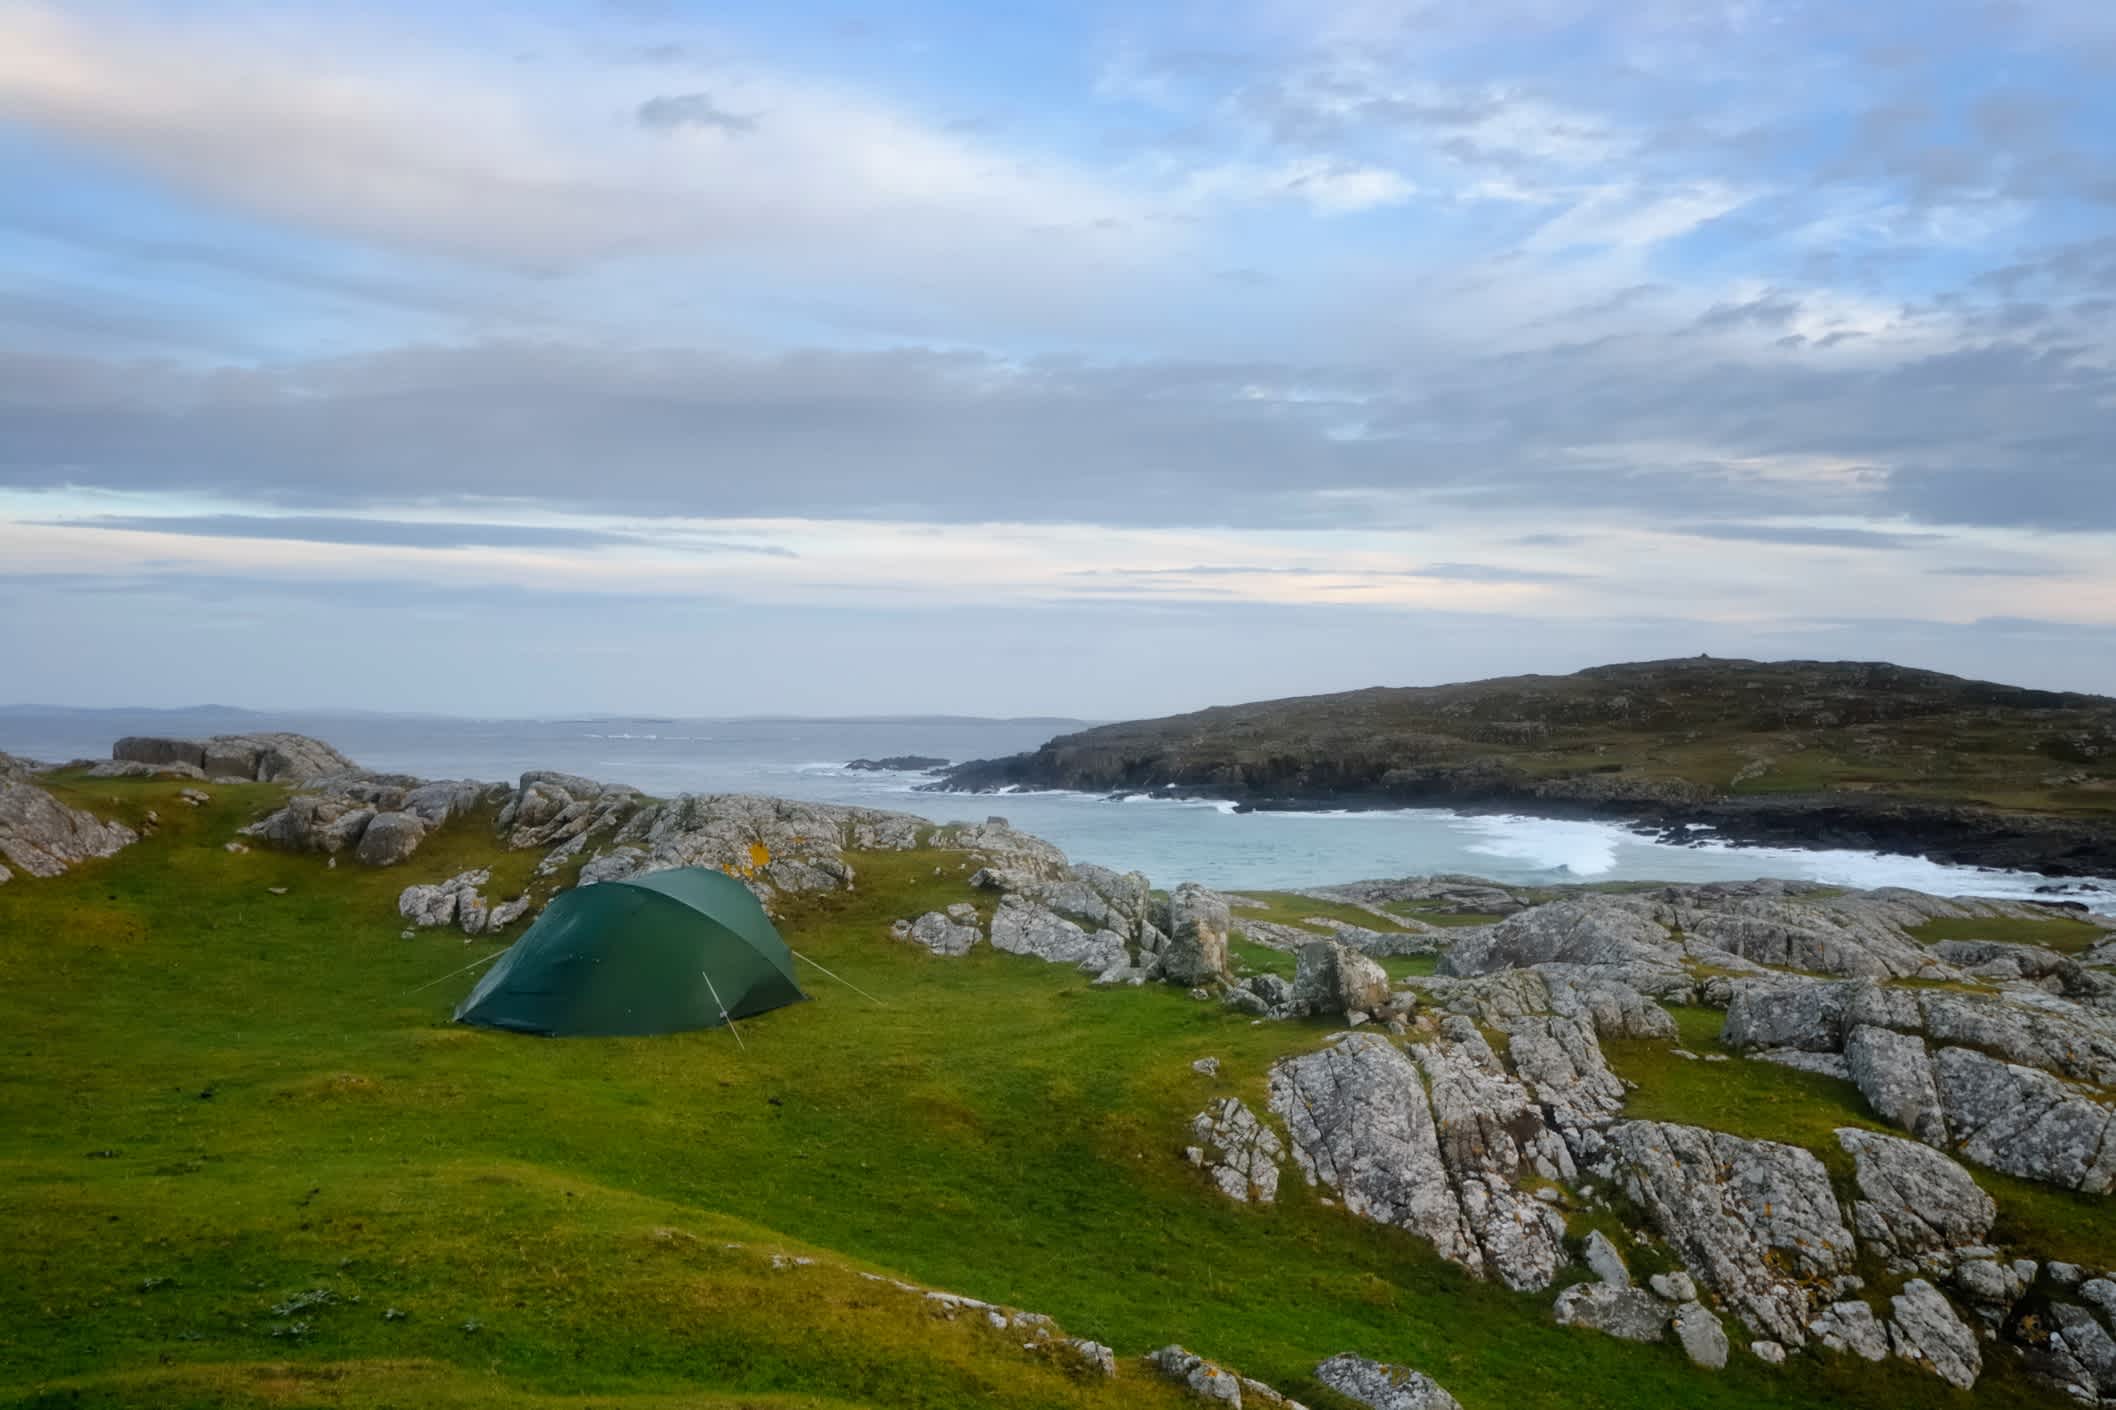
[(1067, 358)]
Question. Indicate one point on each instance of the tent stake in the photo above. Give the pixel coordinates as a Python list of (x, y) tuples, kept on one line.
[(724, 1013), (840, 978)]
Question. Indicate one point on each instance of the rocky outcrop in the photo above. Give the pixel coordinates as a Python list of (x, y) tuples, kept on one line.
[(1894, 1073), (1924, 1328), (263, 758), (40, 836), (1332, 978), (2026, 1122), (390, 838), (950, 932), (460, 901), (1237, 1150), (1213, 1383), (774, 845), (1021, 927), (1196, 952), (1361, 1125), (1912, 1200), (1633, 1314), (1491, 1136), (1755, 1221), (1380, 1386)]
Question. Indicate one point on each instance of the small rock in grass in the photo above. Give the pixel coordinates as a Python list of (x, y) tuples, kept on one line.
[(1206, 1067), (277, 890), (1768, 1352)]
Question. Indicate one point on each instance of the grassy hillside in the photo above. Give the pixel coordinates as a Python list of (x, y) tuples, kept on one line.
[(244, 1160), (1798, 750)]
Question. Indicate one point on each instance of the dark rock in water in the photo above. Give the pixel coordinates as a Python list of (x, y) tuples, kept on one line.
[(899, 764)]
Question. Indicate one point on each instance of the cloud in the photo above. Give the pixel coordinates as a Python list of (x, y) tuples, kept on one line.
[(1807, 535), (396, 533), (671, 112)]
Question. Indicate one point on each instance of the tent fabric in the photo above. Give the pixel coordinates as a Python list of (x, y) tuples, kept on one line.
[(659, 953)]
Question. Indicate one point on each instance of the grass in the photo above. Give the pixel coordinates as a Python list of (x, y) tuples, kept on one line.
[(1437, 913), (2059, 933), (217, 1101)]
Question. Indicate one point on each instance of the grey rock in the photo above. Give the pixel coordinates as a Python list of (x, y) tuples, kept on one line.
[(1021, 927), (263, 757), (1196, 948), (507, 913), (1699, 1332), (1333, 978), (1561, 1063), (1205, 1379), (130, 768), (942, 933), (1361, 1125), (390, 838), (1206, 1067), (1786, 1014), (1925, 1329), (1380, 1386), (40, 835), (1673, 1287), (1821, 1064), (2030, 1029), (1894, 1073), (1491, 1135), (2023, 1121), (1605, 1260), (1630, 1313), (1771, 1353), (1850, 1328), (2088, 1343), (774, 846), (1604, 931), (2066, 1275), (2101, 1292), (314, 822), (1911, 1199), (1093, 1355), (1238, 1151), (1755, 1221), (442, 903)]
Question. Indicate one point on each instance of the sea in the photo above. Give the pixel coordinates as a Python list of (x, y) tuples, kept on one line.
[(1171, 841)]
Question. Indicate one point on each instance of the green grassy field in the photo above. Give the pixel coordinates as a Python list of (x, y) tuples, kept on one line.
[(245, 1160)]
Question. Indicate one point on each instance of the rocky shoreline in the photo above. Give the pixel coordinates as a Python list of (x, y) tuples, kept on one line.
[(1957, 835)]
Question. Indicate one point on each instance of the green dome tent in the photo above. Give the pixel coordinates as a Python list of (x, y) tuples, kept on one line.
[(658, 953)]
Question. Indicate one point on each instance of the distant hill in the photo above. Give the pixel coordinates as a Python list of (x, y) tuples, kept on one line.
[(1808, 753)]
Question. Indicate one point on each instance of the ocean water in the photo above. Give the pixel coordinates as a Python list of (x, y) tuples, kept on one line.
[(1195, 840)]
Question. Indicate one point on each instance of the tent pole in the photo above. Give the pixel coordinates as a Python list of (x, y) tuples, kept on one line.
[(724, 1013), (464, 970), (840, 978)]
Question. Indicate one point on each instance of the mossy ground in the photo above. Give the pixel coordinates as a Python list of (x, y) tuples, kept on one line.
[(2059, 933), (216, 1099)]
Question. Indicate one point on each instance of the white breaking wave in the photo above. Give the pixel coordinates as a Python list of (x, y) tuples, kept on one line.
[(1556, 844)]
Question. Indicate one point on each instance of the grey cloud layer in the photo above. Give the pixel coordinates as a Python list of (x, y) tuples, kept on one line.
[(2011, 432)]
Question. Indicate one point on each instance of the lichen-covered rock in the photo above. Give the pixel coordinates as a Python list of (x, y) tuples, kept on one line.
[(2030, 1029), (1237, 1150), (390, 838), (1603, 931), (1850, 1328), (314, 822), (2087, 1347), (263, 757), (1196, 951), (1491, 1135), (1700, 1334), (1894, 1073), (773, 845), (1561, 1063), (442, 903), (42, 836), (1806, 1015), (1361, 1125), (1913, 1200), (1755, 1221), (1020, 927), (2023, 1121), (1926, 1330), (1630, 1313), (1333, 978), (1380, 1386), (1605, 1260), (1206, 1380), (943, 932)]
